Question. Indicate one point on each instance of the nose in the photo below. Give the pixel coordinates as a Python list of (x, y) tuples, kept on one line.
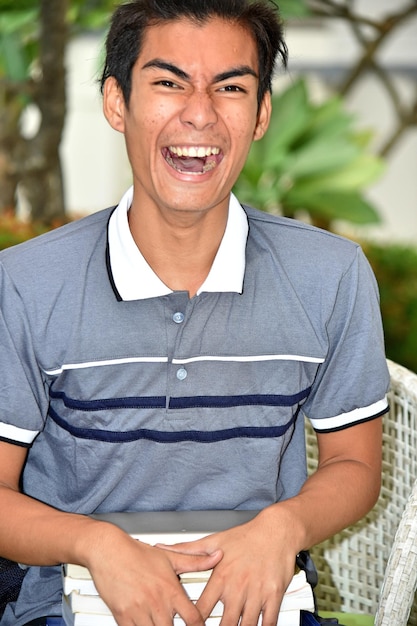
[(199, 110)]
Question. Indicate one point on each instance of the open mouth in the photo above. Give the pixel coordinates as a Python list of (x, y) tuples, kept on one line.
[(192, 159)]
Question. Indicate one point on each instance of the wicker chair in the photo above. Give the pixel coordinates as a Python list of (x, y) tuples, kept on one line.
[(400, 582), (364, 569)]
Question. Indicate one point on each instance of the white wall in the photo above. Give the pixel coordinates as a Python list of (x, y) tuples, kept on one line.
[(96, 167), (96, 170)]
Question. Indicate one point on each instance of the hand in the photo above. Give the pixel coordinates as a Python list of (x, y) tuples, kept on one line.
[(140, 583), (257, 566)]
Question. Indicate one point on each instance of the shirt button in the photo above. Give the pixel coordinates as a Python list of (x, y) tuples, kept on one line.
[(178, 317), (182, 373)]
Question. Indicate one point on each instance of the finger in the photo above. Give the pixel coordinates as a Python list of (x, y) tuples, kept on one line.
[(189, 612), (182, 563), (248, 614), (254, 608), (269, 615), (189, 547), (161, 612), (232, 613), (212, 593)]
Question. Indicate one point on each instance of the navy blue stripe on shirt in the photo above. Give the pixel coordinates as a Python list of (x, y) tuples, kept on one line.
[(235, 401), (159, 436), (141, 402), (186, 402)]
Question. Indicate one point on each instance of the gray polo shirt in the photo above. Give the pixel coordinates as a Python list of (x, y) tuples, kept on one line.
[(132, 397)]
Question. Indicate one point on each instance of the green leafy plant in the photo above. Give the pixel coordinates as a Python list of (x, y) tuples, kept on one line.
[(312, 160), (33, 37), (14, 231), (395, 268), (291, 9), (17, 40)]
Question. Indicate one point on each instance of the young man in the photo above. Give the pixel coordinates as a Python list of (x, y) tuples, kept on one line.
[(163, 355)]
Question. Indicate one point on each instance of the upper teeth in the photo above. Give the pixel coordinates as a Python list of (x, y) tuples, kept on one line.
[(194, 151)]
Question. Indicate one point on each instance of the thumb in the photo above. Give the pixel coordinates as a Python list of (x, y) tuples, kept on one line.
[(182, 563)]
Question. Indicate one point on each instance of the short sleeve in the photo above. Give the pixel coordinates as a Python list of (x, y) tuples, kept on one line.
[(351, 384), (23, 401)]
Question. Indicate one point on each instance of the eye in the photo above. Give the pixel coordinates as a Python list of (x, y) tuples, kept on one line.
[(232, 89), (170, 84)]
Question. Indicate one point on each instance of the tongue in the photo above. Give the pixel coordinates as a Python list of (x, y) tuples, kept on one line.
[(189, 164)]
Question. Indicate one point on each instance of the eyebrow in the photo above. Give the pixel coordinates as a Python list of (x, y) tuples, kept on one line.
[(164, 65), (241, 70)]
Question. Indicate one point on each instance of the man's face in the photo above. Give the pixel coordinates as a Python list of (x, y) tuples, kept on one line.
[(192, 114)]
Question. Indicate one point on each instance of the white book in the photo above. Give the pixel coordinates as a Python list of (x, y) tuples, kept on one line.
[(299, 596), (286, 618), (84, 586), (93, 619), (82, 605), (80, 586), (77, 578)]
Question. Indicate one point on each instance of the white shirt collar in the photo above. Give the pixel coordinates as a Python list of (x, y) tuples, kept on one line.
[(134, 279)]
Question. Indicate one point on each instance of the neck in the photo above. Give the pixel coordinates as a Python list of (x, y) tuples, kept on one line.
[(180, 251)]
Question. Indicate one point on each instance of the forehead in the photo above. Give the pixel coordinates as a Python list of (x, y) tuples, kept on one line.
[(213, 45)]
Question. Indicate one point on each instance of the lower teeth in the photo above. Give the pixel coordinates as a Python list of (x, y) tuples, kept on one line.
[(209, 166)]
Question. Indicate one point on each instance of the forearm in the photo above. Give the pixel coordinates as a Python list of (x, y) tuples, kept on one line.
[(334, 497), (36, 534), (134, 579)]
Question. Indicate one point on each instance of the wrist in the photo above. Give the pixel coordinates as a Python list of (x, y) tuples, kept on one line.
[(284, 520), (94, 538)]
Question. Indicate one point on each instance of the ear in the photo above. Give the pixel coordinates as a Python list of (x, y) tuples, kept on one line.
[(114, 104), (264, 115)]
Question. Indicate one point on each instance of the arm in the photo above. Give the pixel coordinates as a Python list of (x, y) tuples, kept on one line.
[(347, 482), (137, 581), (259, 557)]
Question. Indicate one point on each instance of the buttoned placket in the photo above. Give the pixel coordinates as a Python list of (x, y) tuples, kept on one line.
[(179, 308)]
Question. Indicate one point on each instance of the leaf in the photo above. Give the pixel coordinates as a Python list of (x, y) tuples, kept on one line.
[(329, 119), (293, 9), (312, 158), (362, 171), (363, 138), (321, 156), (15, 21), (290, 116), (335, 205), (13, 63), (97, 19), (24, 5), (263, 195), (255, 166)]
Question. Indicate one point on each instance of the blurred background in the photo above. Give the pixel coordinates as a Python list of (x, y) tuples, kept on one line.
[(341, 152)]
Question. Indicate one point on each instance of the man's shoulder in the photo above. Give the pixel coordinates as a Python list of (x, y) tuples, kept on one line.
[(56, 244), (297, 237)]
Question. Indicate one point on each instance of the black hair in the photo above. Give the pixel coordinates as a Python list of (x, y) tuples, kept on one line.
[(130, 20)]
